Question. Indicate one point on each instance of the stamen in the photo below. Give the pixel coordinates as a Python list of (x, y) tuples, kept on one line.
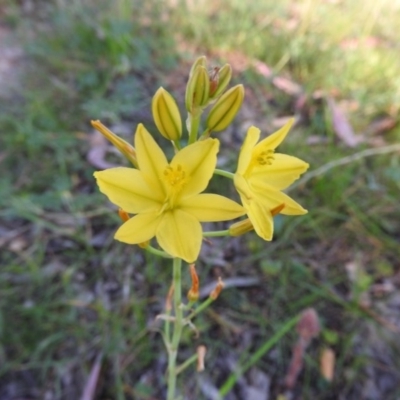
[(175, 176), (266, 157)]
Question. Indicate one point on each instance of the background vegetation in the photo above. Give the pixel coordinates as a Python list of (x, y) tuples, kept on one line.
[(71, 295)]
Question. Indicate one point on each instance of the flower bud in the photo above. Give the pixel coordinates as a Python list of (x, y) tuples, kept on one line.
[(166, 115), (197, 89), (241, 227), (124, 147), (219, 80), (193, 294), (200, 61), (225, 109)]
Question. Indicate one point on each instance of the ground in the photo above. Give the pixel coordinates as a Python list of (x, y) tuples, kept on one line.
[(78, 309)]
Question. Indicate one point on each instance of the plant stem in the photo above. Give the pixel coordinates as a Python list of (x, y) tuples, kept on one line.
[(200, 308), (178, 326), (189, 361), (194, 126), (157, 252), (216, 233), (226, 174)]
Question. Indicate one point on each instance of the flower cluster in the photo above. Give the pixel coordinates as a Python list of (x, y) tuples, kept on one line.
[(164, 199)]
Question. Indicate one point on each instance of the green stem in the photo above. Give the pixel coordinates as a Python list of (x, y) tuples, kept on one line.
[(205, 134), (199, 309), (226, 174), (167, 328), (194, 126), (184, 365), (216, 233), (157, 252), (177, 145), (178, 326)]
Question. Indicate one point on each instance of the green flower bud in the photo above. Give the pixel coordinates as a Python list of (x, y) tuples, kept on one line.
[(219, 80), (225, 109), (166, 115), (197, 89), (202, 61)]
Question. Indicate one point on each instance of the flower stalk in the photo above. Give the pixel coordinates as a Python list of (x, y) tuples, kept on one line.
[(178, 326)]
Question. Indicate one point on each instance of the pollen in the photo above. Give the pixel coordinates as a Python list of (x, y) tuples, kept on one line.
[(175, 176), (265, 157)]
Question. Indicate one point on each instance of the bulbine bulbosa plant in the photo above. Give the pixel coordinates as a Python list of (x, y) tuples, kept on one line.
[(161, 200)]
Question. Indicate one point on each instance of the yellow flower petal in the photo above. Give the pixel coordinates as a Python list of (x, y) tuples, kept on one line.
[(126, 188), (261, 218), (139, 228), (283, 171), (198, 161), (273, 141), (243, 187), (151, 159), (272, 198), (180, 235), (246, 152), (212, 207)]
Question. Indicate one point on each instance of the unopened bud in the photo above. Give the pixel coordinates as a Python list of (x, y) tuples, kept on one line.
[(193, 293), (200, 61), (219, 80), (201, 354), (166, 115), (218, 289), (241, 227), (123, 146), (225, 109), (197, 89)]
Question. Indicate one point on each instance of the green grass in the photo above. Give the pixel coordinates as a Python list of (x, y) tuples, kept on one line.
[(333, 46), (70, 292)]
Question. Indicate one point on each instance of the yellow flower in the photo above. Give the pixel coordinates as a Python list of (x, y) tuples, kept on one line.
[(262, 174), (165, 196)]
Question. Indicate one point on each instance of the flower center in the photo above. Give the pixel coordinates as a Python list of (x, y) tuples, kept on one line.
[(260, 159), (175, 177), (265, 157)]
